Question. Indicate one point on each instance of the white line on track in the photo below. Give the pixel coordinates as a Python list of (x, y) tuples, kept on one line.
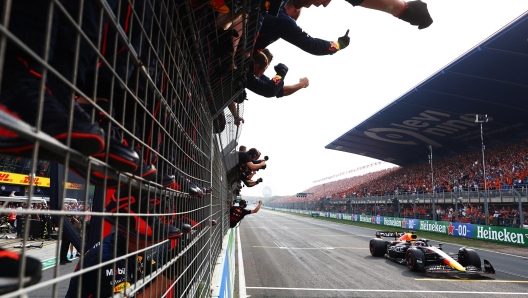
[(241, 275), (384, 291), (474, 280)]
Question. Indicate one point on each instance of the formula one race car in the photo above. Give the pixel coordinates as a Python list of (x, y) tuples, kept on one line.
[(419, 255)]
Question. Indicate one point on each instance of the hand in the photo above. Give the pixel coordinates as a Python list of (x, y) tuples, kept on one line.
[(281, 70), (343, 41), (238, 120), (304, 82), (260, 202), (416, 14)]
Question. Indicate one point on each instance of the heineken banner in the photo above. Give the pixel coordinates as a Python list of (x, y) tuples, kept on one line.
[(346, 216), (501, 234), (433, 226), (393, 222), (365, 218)]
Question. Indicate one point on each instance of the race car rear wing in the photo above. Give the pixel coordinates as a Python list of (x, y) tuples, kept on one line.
[(394, 234)]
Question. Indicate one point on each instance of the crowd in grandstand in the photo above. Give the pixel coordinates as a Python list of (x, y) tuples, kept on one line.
[(506, 167)]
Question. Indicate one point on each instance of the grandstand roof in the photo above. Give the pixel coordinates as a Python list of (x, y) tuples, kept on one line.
[(491, 79)]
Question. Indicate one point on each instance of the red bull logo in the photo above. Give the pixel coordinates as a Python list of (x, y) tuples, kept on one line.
[(276, 79), (407, 237)]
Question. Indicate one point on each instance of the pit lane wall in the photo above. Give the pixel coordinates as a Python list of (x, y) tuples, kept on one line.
[(499, 234), (224, 273)]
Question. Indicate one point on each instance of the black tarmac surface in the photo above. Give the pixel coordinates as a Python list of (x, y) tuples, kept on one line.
[(291, 256)]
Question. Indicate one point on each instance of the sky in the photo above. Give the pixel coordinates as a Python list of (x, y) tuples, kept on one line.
[(386, 58)]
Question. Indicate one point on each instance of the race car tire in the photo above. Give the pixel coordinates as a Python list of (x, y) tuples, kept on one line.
[(377, 247), (468, 257), (415, 259)]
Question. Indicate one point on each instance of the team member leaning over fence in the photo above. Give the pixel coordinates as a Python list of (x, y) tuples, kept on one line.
[(260, 84), (285, 26), (247, 165), (237, 213)]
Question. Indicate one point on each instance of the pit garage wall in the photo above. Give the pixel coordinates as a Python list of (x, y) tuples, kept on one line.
[(498, 234)]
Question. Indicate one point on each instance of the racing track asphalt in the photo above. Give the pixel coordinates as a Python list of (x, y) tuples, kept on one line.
[(285, 255)]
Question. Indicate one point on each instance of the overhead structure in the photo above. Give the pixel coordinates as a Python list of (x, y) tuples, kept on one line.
[(491, 79)]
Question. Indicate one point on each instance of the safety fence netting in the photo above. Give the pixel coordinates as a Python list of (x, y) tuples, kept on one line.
[(119, 121)]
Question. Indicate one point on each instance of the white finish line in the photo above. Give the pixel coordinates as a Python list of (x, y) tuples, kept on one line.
[(385, 291)]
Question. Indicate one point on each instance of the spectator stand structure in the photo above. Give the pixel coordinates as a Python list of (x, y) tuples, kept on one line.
[(155, 77)]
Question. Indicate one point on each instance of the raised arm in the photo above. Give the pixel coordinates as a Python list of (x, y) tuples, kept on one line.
[(290, 89), (257, 208), (412, 12)]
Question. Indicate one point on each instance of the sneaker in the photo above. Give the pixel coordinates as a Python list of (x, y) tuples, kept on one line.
[(10, 142), (207, 190), (120, 155), (20, 96), (187, 186), (185, 220), (146, 171), (149, 227), (10, 263), (168, 181), (194, 191)]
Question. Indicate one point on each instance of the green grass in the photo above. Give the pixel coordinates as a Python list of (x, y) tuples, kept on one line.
[(427, 235)]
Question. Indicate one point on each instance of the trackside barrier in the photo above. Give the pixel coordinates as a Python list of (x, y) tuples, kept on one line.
[(224, 273), (498, 234)]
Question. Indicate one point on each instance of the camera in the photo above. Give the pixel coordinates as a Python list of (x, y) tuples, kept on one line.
[(266, 158), (264, 167)]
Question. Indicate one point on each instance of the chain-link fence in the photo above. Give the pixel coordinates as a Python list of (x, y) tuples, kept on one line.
[(118, 124)]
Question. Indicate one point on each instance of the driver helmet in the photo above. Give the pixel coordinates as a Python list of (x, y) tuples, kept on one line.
[(420, 243)]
